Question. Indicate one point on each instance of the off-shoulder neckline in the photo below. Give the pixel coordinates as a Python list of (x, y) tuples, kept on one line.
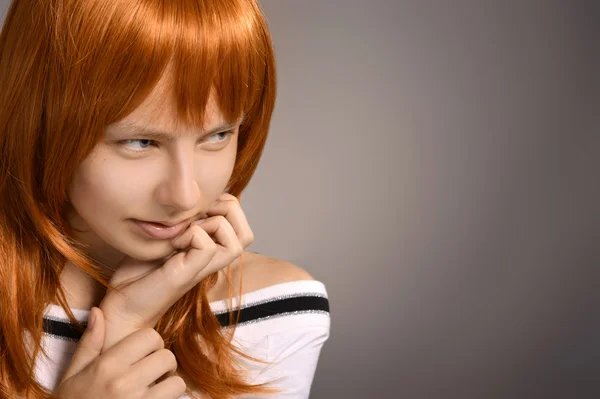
[(289, 288)]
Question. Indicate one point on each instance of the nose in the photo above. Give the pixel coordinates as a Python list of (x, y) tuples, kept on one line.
[(179, 189)]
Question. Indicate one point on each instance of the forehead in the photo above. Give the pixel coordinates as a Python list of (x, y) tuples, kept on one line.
[(159, 112)]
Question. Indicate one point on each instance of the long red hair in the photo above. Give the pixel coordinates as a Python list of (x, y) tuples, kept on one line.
[(68, 68)]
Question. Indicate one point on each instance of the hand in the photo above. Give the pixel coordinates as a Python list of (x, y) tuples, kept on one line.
[(132, 369), (150, 289)]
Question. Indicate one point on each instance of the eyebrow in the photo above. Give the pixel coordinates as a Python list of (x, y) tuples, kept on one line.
[(159, 134)]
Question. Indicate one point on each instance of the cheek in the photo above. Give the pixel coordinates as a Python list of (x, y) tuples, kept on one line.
[(127, 184), (213, 177), (96, 191)]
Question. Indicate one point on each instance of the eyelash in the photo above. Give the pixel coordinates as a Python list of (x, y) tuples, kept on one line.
[(125, 142)]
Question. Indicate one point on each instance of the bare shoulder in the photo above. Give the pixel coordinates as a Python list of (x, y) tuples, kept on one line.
[(257, 271)]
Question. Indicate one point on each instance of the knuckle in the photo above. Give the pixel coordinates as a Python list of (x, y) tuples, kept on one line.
[(196, 229), (179, 384), (238, 250), (154, 337), (116, 386), (195, 225), (169, 358)]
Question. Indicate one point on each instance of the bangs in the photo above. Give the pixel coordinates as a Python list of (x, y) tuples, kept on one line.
[(121, 50)]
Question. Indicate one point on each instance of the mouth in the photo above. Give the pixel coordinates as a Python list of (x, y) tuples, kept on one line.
[(164, 224), (162, 231)]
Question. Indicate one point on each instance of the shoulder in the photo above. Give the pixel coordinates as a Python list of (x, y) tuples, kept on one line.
[(256, 271), (262, 271)]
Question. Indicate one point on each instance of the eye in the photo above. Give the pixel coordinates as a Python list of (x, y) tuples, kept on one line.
[(145, 144), (222, 137)]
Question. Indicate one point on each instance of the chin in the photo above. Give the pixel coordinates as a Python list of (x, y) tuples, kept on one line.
[(149, 252)]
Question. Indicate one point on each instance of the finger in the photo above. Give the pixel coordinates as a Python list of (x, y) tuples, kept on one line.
[(135, 347), (154, 366), (173, 387), (89, 346), (229, 207), (228, 246), (225, 196)]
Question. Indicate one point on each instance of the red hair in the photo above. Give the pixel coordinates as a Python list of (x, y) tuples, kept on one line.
[(68, 68)]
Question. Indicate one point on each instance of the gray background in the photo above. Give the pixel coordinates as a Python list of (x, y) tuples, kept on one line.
[(434, 163)]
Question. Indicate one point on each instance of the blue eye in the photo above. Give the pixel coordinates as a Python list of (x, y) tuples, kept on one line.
[(145, 143), (226, 135)]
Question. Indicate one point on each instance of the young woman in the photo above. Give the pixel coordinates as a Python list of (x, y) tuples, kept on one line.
[(128, 131)]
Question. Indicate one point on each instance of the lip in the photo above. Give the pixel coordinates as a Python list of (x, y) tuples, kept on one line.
[(163, 232), (169, 224)]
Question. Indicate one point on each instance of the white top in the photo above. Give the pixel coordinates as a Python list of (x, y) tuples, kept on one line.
[(285, 323)]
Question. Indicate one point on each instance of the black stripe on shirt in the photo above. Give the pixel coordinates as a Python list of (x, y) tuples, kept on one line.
[(250, 313), (286, 306)]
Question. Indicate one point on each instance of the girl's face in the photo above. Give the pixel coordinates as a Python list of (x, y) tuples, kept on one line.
[(136, 176)]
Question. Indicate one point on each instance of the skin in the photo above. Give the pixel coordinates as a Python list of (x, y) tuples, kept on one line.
[(162, 181)]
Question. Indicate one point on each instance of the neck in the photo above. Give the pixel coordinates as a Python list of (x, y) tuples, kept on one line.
[(81, 290)]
